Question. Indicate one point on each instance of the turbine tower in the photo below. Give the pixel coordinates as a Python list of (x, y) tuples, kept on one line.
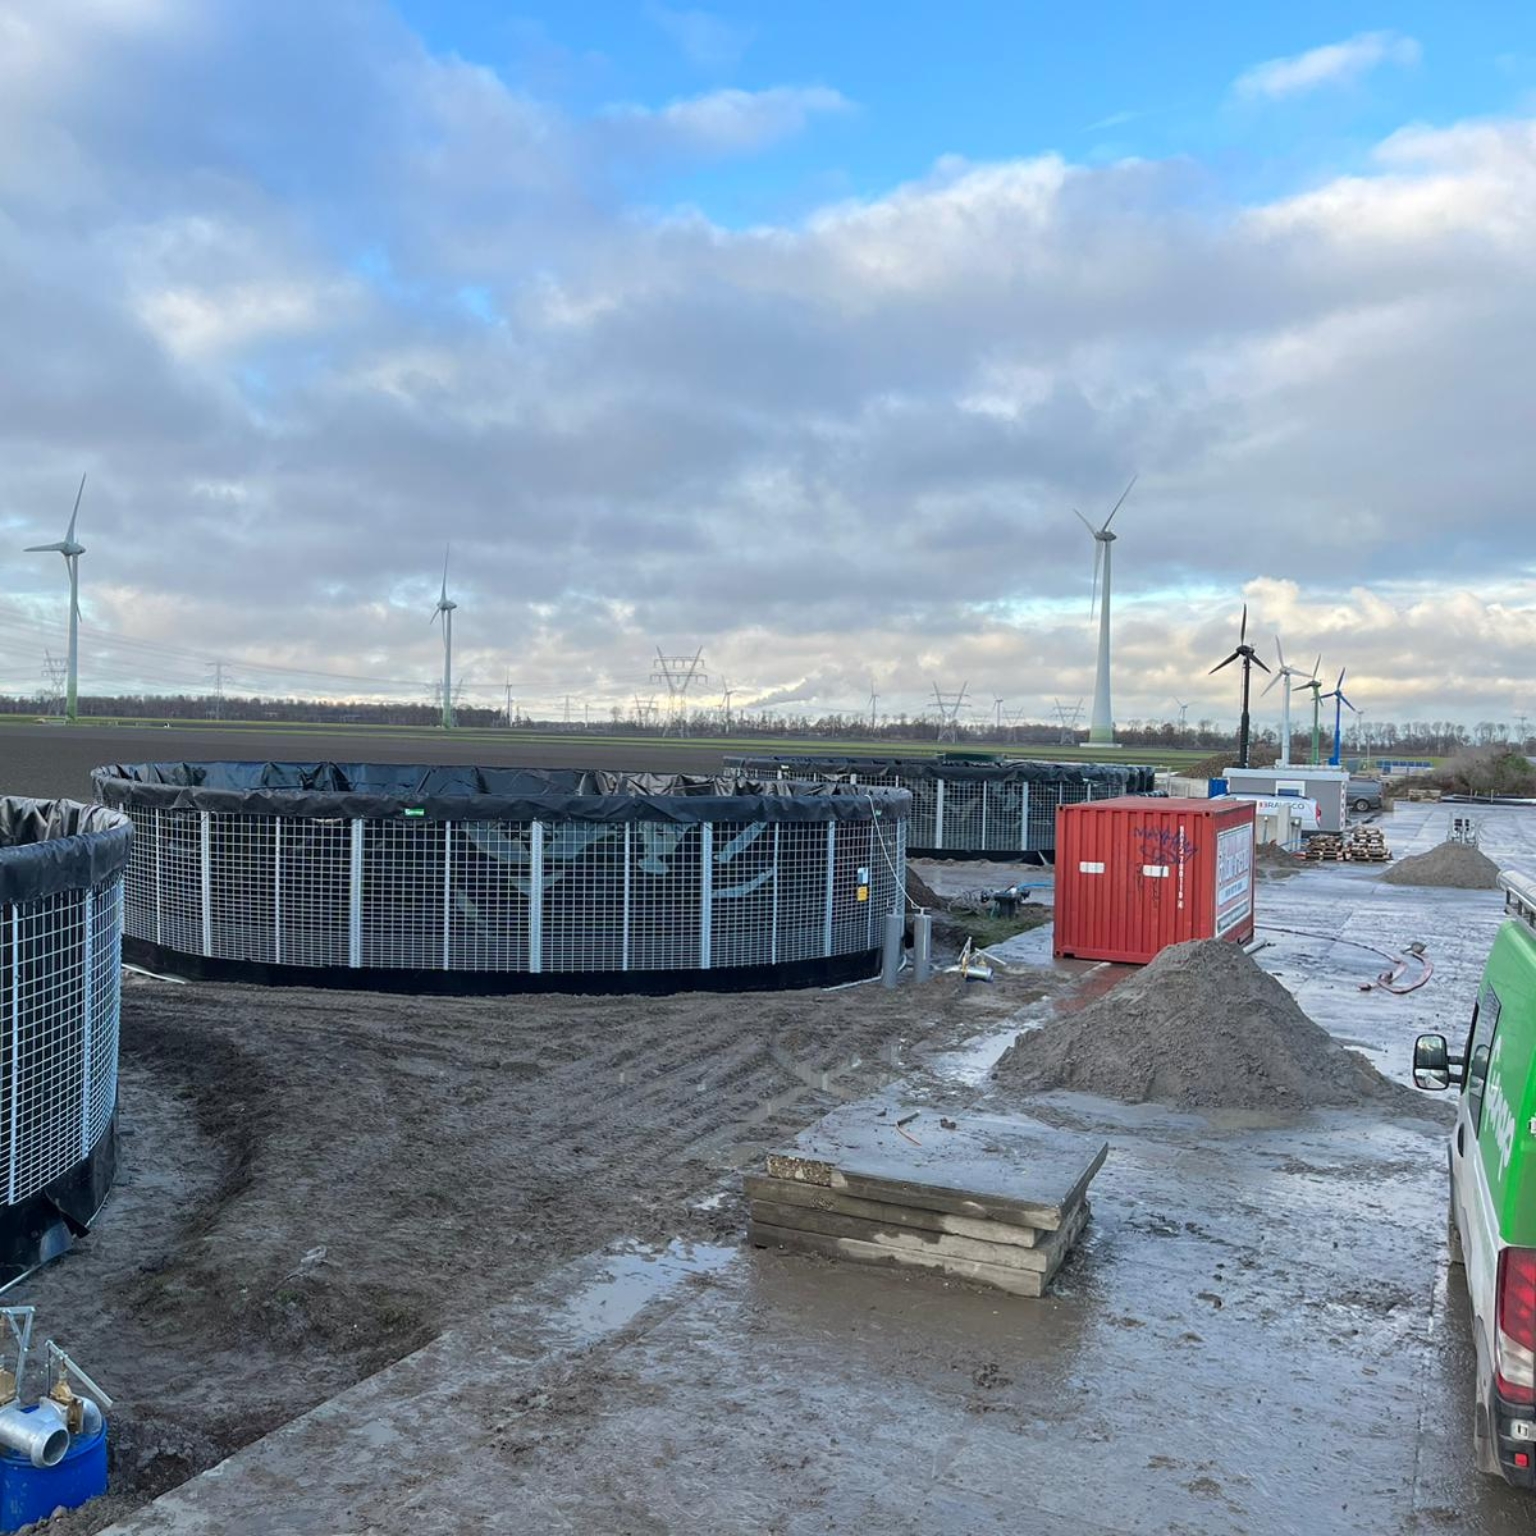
[(444, 611), (1283, 676), (1340, 704), (1249, 657), (1315, 687), (71, 552), (1102, 729)]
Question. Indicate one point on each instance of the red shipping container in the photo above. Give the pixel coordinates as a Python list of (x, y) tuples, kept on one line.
[(1137, 873)]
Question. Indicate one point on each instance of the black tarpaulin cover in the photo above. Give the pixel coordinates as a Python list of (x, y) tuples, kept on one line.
[(48, 846), (1132, 777), (373, 791)]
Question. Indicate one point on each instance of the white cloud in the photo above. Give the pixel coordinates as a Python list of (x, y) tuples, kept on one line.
[(821, 448), (1332, 64), (727, 122), (706, 40)]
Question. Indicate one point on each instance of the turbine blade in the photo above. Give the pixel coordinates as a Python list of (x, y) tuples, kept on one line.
[(1098, 562), (1271, 683), (1340, 682), (444, 597), (1084, 521), (1227, 663), (70, 536), (1126, 492), (1242, 634), (44, 549), (1279, 649), (1316, 664), (1259, 664)]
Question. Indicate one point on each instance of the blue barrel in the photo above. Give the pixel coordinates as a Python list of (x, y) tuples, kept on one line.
[(1218, 788), (29, 1493)]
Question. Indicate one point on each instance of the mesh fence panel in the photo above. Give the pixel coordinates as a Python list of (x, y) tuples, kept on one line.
[(970, 814), (561, 897), (59, 1009)]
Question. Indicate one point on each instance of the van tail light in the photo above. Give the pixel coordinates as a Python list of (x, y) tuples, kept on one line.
[(1514, 1360)]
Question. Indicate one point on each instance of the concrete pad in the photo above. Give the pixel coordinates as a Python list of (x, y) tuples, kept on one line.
[(990, 1167)]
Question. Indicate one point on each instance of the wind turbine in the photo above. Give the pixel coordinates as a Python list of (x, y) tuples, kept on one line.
[(1250, 659), (1102, 729), (1283, 676), (71, 552), (444, 611), (1316, 689), (1340, 704), (1183, 715)]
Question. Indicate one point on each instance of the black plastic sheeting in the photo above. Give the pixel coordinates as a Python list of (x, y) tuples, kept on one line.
[(378, 791), (1126, 778), (48, 846)]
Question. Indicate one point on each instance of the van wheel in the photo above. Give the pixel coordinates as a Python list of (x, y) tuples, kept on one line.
[(1453, 1240), (1362, 805)]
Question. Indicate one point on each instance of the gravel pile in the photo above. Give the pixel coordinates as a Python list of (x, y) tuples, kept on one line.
[(1201, 1027), (1457, 865)]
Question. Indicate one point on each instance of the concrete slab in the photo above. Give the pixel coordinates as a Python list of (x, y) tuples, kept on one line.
[(988, 1167), (759, 1188), (1019, 1271)]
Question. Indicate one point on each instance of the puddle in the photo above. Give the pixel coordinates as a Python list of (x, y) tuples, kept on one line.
[(972, 1063), (625, 1283)]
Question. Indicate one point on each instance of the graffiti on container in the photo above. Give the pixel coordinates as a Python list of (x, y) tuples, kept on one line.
[(1159, 845)]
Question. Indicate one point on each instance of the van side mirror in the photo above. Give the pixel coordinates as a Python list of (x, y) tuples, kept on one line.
[(1431, 1063)]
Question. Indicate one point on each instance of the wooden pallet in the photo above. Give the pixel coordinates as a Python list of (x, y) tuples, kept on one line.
[(1365, 846)]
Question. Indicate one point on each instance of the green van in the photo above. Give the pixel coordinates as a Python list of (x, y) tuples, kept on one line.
[(1492, 1224)]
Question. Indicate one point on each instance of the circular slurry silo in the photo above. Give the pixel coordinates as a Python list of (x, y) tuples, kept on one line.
[(61, 900), (969, 807), (455, 879)]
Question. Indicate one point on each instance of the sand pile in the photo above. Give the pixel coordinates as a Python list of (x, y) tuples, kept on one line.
[(1457, 865), (921, 894), (1274, 856), (1201, 1027)]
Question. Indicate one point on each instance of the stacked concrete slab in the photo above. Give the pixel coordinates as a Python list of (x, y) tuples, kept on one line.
[(993, 1199)]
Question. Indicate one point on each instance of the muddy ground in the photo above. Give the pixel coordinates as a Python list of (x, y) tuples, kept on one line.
[(315, 1184), (57, 760)]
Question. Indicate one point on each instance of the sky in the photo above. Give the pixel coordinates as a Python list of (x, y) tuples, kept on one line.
[(793, 332)]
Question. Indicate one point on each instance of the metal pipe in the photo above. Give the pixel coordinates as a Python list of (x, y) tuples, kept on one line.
[(922, 947), (40, 1434), (890, 955)]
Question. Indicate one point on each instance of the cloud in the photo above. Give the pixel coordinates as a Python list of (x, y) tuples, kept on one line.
[(1114, 120), (725, 122), (824, 449), (1333, 64), (707, 41)]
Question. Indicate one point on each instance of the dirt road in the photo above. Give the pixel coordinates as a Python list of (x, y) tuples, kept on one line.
[(57, 760)]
